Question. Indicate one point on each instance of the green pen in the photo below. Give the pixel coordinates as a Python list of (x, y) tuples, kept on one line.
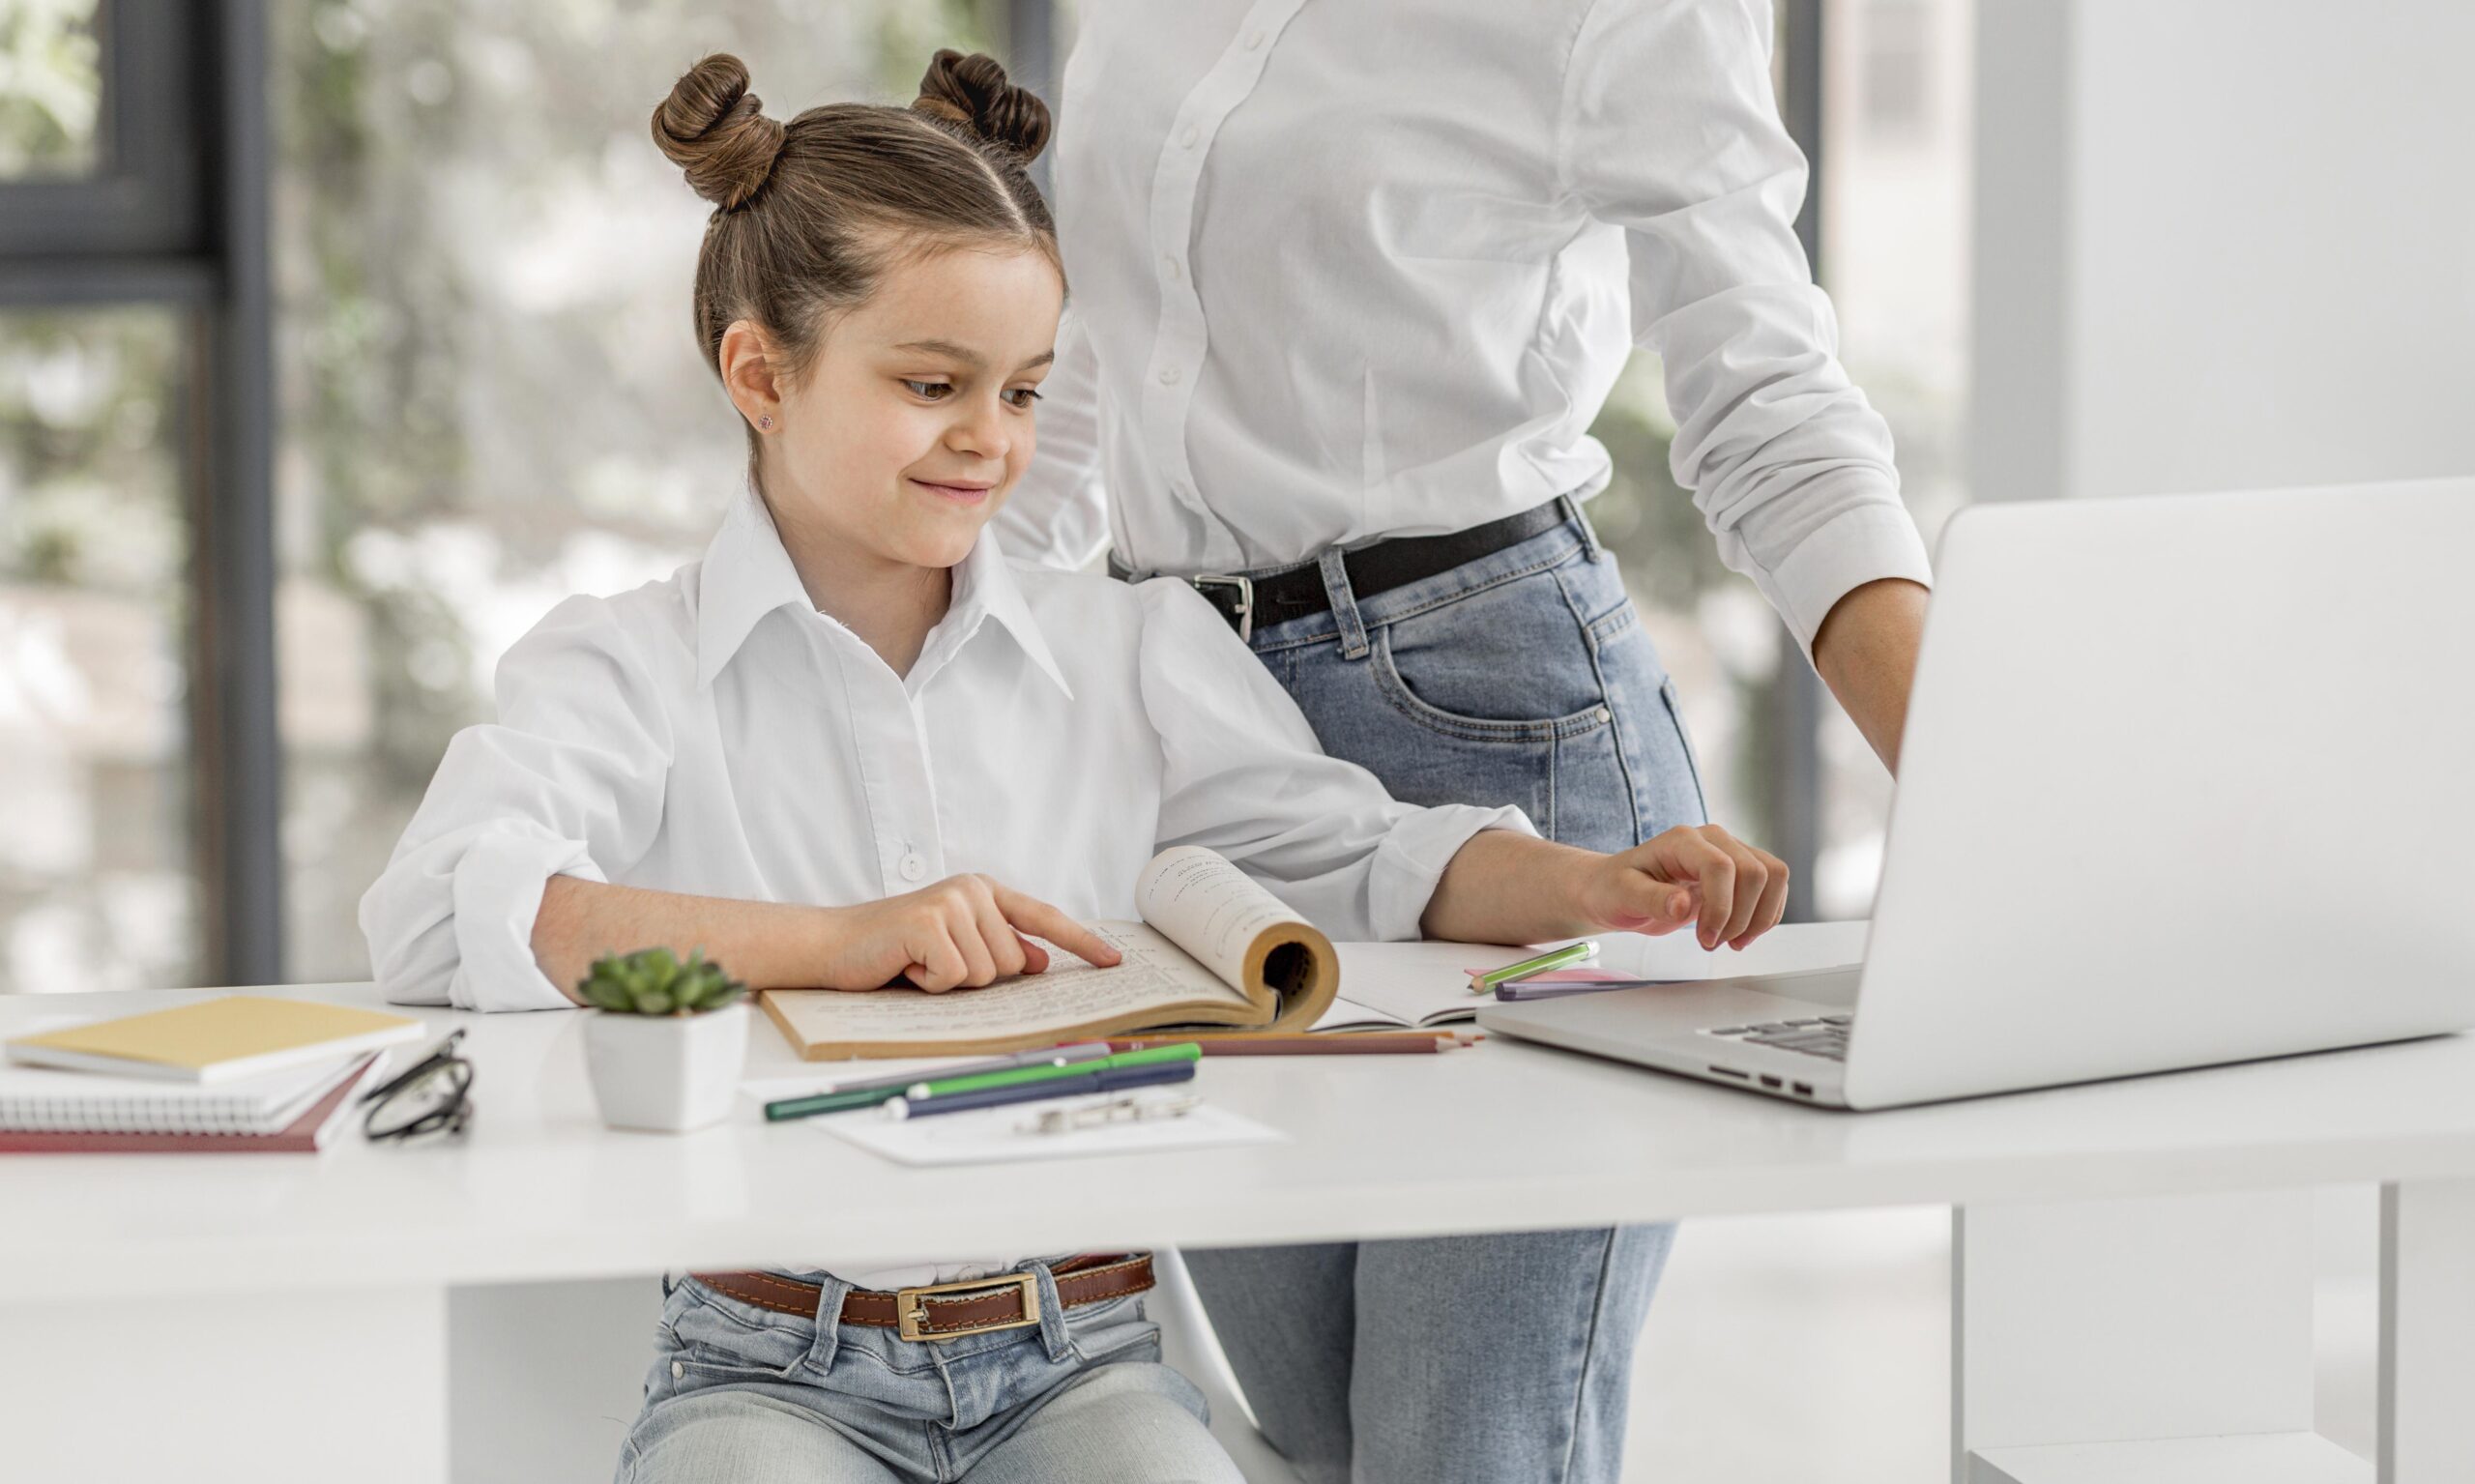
[(1558, 958), (1052, 1063), (1149, 1056)]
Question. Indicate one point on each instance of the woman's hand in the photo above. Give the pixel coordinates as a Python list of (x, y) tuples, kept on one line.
[(962, 931), (1505, 887), (1699, 874)]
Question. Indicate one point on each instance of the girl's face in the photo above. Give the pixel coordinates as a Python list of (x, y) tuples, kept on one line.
[(915, 421)]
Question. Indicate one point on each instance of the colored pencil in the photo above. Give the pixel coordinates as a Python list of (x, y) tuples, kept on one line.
[(1338, 1043)]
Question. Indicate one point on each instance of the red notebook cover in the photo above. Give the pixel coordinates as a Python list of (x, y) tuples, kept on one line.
[(303, 1136)]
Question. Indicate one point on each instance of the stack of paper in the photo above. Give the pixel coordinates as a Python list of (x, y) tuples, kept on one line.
[(237, 1071)]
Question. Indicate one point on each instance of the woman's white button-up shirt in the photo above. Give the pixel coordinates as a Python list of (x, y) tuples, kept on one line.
[(1344, 271), (714, 733)]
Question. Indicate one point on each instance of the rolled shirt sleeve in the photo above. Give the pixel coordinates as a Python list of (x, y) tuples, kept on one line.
[(570, 781), (1669, 129), (1243, 774)]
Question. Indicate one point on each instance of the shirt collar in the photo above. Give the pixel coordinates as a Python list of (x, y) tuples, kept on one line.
[(747, 573), (984, 587)]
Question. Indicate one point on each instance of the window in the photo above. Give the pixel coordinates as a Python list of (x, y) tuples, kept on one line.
[(52, 89), (118, 377), (99, 879), (1895, 238), (1894, 41)]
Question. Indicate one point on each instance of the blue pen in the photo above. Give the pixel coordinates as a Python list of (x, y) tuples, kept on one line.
[(1108, 1080)]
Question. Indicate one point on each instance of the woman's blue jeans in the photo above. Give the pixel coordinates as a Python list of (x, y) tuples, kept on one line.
[(1522, 677)]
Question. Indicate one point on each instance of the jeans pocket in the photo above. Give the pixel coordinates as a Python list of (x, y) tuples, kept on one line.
[(1113, 1331), (721, 1338), (1509, 663)]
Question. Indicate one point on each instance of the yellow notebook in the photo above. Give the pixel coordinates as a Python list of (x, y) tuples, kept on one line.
[(216, 1040)]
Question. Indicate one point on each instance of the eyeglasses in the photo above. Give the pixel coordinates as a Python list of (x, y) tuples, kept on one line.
[(431, 1096)]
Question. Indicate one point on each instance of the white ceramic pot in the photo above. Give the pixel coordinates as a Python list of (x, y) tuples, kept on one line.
[(670, 1073)]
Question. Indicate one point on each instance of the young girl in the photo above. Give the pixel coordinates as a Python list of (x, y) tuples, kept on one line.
[(851, 746)]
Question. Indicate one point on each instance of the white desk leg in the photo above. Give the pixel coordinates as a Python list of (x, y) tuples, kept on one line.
[(2130, 1341), (252, 1388), (544, 1379), (2428, 1332)]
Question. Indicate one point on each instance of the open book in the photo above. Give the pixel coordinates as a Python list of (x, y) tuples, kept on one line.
[(1214, 948), (1422, 985)]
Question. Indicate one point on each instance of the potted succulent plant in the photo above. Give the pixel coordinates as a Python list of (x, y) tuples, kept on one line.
[(667, 1040)]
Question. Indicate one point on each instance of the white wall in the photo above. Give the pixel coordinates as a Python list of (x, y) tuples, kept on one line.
[(2222, 244), (2219, 245)]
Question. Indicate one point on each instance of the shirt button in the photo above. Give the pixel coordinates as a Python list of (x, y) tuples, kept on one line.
[(1169, 376), (1254, 41), (677, 1370), (1168, 266), (1189, 138), (913, 866)]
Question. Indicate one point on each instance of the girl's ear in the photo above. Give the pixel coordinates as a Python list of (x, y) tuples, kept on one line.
[(748, 364)]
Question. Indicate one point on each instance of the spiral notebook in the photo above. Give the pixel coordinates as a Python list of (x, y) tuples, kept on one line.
[(308, 1130), (41, 1099)]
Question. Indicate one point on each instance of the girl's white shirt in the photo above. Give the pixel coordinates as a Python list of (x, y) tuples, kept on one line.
[(1352, 271), (714, 733)]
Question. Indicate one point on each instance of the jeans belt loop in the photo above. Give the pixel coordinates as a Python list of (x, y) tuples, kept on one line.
[(1334, 566), (1589, 532), (829, 1325), (1053, 1336)]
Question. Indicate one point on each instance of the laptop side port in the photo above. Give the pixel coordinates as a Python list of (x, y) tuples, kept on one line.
[(1804, 1090), (1770, 1081), (1730, 1071)]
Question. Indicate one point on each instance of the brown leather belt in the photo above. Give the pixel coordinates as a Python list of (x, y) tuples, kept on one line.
[(945, 1310)]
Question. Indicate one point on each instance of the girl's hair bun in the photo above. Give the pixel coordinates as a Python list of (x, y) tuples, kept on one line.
[(713, 127), (972, 92)]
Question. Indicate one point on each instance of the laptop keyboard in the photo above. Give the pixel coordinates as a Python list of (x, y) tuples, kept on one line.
[(1821, 1035)]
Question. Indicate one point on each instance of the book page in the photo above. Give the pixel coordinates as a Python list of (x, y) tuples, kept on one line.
[(1208, 908), (1350, 1015), (1070, 994)]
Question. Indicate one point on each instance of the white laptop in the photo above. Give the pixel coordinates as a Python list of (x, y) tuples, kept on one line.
[(2185, 780)]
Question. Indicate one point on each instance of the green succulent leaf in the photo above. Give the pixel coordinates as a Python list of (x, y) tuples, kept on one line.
[(656, 981)]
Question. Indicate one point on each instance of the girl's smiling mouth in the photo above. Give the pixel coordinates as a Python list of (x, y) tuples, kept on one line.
[(959, 492)]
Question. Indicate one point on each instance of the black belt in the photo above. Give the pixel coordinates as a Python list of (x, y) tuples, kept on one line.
[(1248, 602)]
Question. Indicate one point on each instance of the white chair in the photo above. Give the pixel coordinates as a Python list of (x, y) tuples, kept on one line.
[(1189, 1345), (543, 1378)]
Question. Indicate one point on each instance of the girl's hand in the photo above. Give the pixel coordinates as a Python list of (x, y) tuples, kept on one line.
[(965, 930), (1700, 874)]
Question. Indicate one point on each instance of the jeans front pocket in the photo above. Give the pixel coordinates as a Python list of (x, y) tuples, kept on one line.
[(1507, 663), (1113, 1331), (723, 1339)]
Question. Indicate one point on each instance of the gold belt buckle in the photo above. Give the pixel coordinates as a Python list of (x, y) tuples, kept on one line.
[(911, 1310)]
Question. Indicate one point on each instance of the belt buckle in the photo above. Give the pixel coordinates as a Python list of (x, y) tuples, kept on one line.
[(910, 1312), (1245, 587)]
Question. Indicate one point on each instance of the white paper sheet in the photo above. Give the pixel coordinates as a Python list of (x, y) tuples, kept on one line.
[(990, 1136)]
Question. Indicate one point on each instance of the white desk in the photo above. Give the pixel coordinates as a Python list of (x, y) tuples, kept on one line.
[(2133, 1282)]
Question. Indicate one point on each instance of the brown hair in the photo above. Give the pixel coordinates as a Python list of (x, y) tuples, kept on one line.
[(808, 214)]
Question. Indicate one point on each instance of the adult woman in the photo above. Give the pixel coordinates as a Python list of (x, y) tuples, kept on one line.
[(1352, 283)]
